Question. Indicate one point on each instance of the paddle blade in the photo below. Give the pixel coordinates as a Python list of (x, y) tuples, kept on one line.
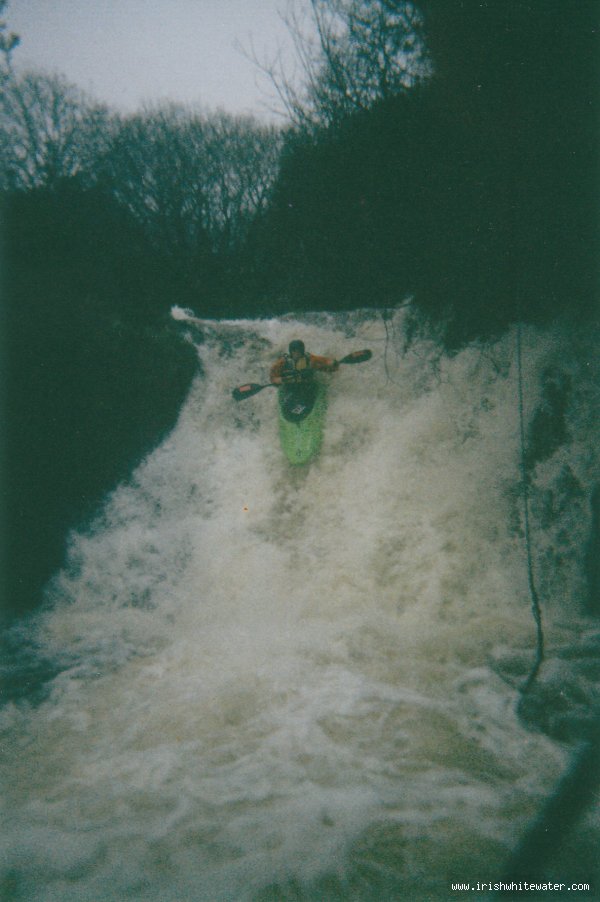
[(246, 391), (357, 356)]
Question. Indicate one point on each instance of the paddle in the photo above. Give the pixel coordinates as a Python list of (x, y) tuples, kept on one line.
[(252, 388)]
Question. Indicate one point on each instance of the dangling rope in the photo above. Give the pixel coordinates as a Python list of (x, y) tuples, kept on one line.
[(386, 316), (535, 602)]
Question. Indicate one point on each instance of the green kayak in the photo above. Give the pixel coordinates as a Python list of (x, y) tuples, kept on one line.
[(302, 411)]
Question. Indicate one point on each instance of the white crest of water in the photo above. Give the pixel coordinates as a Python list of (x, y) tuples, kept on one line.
[(280, 680)]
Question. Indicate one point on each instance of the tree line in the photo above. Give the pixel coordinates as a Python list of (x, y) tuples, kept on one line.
[(446, 151), (190, 183), (442, 151), (465, 175)]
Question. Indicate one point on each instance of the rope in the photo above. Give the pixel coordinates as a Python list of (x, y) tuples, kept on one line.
[(390, 336), (535, 602), (385, 317)]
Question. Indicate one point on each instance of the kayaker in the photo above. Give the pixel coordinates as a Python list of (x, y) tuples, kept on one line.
[(297, 364)]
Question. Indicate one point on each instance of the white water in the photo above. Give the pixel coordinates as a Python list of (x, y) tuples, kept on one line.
[(283, 683)]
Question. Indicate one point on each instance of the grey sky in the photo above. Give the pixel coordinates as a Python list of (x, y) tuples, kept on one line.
[(129, 52)]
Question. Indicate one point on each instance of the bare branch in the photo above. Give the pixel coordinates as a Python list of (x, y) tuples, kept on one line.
[(49, 131), (352, 54), (8, 42), (193, 181)]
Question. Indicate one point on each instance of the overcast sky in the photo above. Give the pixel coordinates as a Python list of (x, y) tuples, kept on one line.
[(129, 52)]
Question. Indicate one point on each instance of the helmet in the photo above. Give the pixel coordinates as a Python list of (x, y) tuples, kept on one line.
[(296, 345)]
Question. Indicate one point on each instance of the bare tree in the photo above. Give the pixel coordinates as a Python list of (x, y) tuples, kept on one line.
[(243, 162), (154, 169), (192, 181), (351, 54), (8, 42), (49, 130)]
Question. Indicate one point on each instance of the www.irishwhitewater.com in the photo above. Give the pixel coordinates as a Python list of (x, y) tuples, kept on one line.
[(520, 886)]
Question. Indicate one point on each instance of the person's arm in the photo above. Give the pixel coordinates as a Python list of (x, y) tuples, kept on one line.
[(276, 371), (329, 364)]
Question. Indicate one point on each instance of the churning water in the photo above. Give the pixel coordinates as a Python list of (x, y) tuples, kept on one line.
[(281, 683)]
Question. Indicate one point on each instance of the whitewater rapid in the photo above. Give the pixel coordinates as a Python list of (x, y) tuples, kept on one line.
[(302, 683)]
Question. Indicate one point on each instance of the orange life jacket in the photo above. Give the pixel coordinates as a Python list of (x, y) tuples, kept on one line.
[(286, 366)]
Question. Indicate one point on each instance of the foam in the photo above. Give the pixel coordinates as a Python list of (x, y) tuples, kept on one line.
[(269, 674)]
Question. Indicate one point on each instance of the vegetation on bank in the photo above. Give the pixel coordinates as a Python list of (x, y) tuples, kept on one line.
[(446, 152)]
